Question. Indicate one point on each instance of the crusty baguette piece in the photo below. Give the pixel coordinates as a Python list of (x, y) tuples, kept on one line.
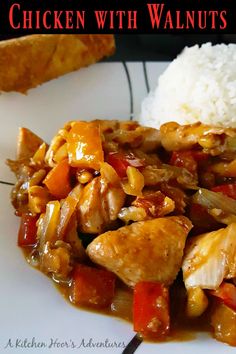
[(27, 62)]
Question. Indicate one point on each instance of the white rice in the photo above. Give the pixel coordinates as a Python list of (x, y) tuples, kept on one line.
[(199, 85)]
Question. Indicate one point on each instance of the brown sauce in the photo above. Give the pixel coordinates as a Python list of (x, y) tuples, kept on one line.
[(182, 328)]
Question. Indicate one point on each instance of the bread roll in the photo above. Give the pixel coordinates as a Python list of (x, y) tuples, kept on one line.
[(27, 62)]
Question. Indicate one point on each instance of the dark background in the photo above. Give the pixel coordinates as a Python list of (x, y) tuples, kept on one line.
[(151, 47), (157, 47)]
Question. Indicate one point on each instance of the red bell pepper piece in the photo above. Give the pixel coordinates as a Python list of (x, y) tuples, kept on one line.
[(201, 218), (92, 287), (199, 155), (151, 310), (121, 161), (188, 159), (227, 189), (226, 293), (27, 231)]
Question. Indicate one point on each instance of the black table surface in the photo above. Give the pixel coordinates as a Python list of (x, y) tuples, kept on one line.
[(159, 47)]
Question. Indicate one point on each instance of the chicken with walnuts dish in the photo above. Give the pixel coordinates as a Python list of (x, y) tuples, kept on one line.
[(134, 221)]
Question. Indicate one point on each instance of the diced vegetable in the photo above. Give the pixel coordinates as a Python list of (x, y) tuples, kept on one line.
[(201, 219), (68, 207), (184, 159), (227, 293), (188, 159), (92, 287), (199, 155), (197, 213), (223, 321), (27, 231), (122, 304), (227, 189), (84, 145), (151, 310), (210, 258), (47, 226), (121, 160), (211, 200), (58, 180)]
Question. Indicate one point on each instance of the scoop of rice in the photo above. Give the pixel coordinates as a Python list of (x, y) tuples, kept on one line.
[(199, 85)]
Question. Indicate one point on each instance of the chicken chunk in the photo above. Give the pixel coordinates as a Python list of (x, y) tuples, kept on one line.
[(149, 250), (99, 204), (210, 258), (180, 137)]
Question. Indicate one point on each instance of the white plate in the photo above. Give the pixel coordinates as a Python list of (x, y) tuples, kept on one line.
[(32, 312)]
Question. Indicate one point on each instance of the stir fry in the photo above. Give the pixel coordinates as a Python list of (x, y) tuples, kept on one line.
[(122, 216)]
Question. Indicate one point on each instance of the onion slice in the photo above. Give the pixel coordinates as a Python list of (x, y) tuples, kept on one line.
[(210, 258), (215, 200)]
